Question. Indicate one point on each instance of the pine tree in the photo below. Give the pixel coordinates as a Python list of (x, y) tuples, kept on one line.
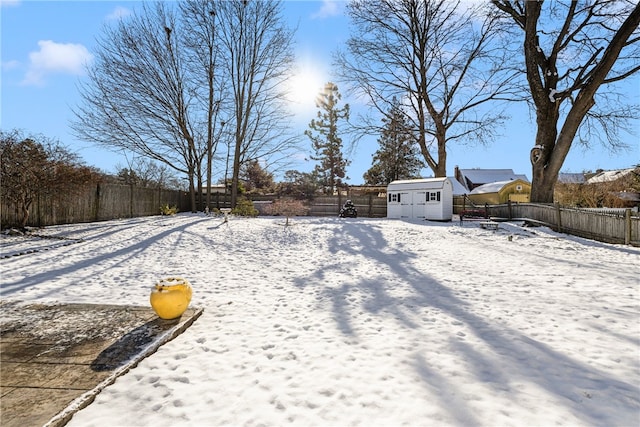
[(256, 178), (324, 137), (398, 155)]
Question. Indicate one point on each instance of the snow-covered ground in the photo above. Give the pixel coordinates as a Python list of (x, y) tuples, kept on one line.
[(370, 322)]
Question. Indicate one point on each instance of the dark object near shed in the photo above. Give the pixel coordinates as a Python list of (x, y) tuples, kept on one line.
[(348, 210)]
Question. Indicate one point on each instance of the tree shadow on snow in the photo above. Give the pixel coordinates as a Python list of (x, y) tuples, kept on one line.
[(134, 246), (516, 357)]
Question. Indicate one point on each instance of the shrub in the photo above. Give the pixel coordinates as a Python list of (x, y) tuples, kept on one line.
[(288, 208), (168, 210), (244, 207)]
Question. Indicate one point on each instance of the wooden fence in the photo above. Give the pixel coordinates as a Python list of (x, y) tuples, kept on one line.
[(367, 206), (370, 206), (95, 203), (604, 225), (111, 201)]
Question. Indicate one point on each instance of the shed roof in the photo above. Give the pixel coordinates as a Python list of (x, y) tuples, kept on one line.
[(417, 181), (421, 183)]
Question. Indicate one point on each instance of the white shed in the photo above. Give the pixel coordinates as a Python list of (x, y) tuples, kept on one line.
[(429, 198)]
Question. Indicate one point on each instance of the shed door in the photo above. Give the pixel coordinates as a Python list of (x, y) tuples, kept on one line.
[(419, 204), (406, 204)]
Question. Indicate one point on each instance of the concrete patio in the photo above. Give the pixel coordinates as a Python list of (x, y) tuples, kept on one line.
[(54, 359)]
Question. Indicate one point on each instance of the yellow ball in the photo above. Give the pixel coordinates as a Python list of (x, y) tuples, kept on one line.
[(171, 297)]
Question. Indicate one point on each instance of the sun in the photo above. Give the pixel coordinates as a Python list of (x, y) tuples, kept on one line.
[(303, 88)]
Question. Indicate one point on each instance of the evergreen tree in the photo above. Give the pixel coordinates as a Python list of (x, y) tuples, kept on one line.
[(324, 137), (398, 155), (257, 179), (301, 185)]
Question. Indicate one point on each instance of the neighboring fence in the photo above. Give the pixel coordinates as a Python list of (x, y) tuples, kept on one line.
[(368, 206), (604, 225), (95, 203)]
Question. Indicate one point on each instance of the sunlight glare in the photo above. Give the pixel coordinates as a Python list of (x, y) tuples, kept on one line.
[(304, 86)]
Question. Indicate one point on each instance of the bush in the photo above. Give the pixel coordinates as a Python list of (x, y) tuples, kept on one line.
[(598, 195), (244, 207), (168, 210), (288, 208)]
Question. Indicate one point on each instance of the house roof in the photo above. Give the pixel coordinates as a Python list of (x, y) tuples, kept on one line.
[(571, 178), (493, 187), (458, 188), (484, 176), (608, 176)]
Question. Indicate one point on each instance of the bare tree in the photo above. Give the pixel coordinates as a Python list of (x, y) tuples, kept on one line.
[(139, 98), (257, 57), (201, 40), (571, 50), (441, 59), (144, 172)]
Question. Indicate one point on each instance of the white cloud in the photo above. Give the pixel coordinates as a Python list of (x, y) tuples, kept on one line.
[(118, 13), (10, 65), (55, 57), (329, 8), (4, 3)]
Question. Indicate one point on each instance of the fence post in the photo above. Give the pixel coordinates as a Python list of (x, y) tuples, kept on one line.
[(510, 214), (559, 218), (39, 207), (627, 226), (96, 214)]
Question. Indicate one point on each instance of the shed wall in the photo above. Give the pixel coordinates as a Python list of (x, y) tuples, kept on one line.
[(430, 199)]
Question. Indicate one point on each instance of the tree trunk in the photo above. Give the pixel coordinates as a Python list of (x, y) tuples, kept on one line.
[(236, 174), (192, 190), (440, 170), (543, 178), (200, 198), (25, 216)]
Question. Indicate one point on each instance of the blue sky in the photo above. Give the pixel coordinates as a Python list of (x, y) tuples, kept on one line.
[(45, 43)]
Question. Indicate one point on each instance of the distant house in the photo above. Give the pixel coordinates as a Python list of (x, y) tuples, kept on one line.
[(571, 178), (610, 176), (473, 178), (621, 184), (496, 193), (215, 188), (458, 188)]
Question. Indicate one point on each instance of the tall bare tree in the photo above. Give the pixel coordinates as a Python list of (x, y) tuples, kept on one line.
[(200, 35), (440, 58), (138, 96), (257, 50), (571, 50)]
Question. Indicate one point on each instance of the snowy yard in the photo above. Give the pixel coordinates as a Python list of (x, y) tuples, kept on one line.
[(370, 322)]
